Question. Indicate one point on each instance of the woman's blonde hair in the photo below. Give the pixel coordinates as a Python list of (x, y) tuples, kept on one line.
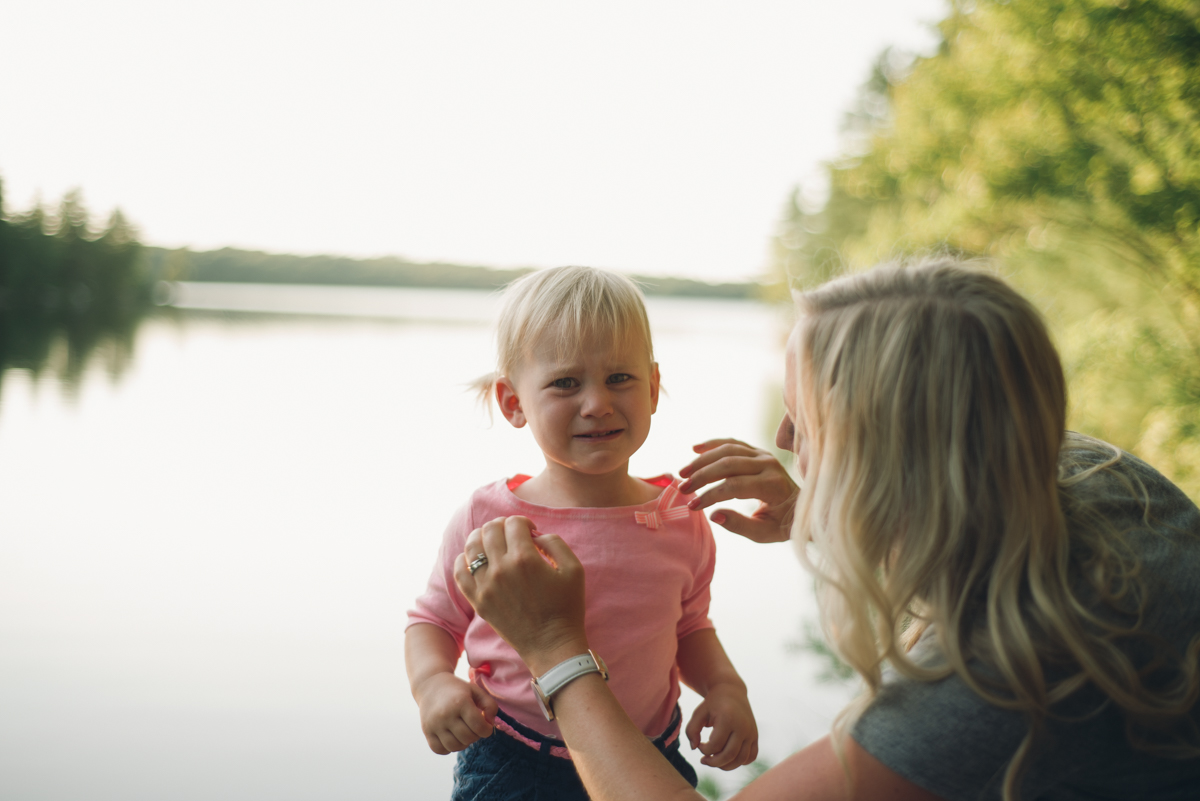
[(934, 405), (580, 307)]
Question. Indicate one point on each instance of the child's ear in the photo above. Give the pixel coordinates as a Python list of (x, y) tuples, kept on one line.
[(510, 404), (654, 381)]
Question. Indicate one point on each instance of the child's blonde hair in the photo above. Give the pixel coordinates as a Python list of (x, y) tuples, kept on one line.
[(581, 307), (938, 493)]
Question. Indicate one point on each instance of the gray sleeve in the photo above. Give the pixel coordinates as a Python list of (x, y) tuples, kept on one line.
[(941, 736)]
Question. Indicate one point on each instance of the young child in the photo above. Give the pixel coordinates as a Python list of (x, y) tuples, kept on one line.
[(577, 367)]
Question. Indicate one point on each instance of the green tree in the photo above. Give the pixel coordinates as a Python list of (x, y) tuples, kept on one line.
[(1061, 137), (67, 290)]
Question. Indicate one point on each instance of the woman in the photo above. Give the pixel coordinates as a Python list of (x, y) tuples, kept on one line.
[(1033, 593)]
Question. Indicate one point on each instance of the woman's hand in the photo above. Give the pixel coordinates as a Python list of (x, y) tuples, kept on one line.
[(530, 592), (746, 472)]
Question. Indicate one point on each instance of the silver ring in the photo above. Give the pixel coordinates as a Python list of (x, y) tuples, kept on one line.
[(480, 561)]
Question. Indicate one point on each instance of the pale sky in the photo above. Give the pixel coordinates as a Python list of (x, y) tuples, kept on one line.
[(656, 137)]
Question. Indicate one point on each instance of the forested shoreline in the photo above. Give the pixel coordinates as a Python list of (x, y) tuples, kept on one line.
[(68, 289), (234, 265)]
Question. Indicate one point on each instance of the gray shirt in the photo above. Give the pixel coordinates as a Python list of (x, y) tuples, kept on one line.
[(945, 738)]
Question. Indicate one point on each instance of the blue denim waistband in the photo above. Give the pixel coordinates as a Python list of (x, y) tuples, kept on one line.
[(535, 739)]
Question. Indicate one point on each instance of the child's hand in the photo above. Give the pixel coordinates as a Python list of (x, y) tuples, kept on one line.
[(733, 741), (454, 713)]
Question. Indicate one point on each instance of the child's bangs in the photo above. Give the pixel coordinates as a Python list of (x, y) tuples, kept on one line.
[(568, 336), (565, 311)]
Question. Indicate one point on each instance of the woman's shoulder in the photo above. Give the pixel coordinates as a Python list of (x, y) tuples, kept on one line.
[(1120, 505), (1099, 478)]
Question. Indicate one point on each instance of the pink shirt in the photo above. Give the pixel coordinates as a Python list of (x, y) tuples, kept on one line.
[(647, 587)]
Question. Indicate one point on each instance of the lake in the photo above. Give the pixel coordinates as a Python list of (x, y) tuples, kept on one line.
[(206, 558)]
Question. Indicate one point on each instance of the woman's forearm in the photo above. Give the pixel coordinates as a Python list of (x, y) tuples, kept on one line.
[(617, 763), (614, 759)]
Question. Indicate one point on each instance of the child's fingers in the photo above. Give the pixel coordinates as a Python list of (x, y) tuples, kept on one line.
[(485, 704), (696, 726), (447, 742), (461, 731), (727, 753), (477, 724), (718, 739), (742, 757)]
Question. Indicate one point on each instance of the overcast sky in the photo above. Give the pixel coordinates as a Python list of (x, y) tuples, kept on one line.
[(657, 136)]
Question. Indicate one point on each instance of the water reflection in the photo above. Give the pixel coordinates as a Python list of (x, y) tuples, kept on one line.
[(64, 346)]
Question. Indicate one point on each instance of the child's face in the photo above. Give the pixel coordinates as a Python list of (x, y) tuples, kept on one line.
[(589, 412)]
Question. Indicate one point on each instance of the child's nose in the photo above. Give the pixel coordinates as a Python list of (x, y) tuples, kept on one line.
[(596, 402)]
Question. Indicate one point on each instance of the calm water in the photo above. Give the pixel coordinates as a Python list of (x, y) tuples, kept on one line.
[(205, 563)]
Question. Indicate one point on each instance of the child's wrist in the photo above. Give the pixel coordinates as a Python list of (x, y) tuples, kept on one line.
[(421, 688), (728, 684)]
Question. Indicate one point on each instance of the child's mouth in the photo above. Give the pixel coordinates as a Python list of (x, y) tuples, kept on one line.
[(600, 436)]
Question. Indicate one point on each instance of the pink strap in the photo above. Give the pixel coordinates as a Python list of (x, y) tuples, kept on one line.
[(671, 737), (664, 511), (555, 750)]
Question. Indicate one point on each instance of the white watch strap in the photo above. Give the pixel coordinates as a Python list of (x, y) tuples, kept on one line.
[(568, 670)]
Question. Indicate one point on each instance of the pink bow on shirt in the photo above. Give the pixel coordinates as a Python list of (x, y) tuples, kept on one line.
[(664, 511)]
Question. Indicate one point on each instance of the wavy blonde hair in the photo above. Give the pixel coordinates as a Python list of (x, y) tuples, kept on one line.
[(938, 494), (580, 307)]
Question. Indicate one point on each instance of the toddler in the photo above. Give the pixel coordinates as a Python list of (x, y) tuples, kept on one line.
[(576, 365)]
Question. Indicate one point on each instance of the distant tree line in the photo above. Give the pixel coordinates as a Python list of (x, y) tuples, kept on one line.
[(67, 288), (233, 265), (1061, 138)]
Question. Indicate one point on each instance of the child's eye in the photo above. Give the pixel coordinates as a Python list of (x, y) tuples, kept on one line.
[(564, 383), (619, 378)]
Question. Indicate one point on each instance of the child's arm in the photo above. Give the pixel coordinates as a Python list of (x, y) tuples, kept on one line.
[(704, 666), (454, 713)]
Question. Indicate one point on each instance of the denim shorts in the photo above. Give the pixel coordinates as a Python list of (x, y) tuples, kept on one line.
[(502, 768)]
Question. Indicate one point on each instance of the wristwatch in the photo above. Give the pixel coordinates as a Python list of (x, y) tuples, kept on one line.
[(562, 674)]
